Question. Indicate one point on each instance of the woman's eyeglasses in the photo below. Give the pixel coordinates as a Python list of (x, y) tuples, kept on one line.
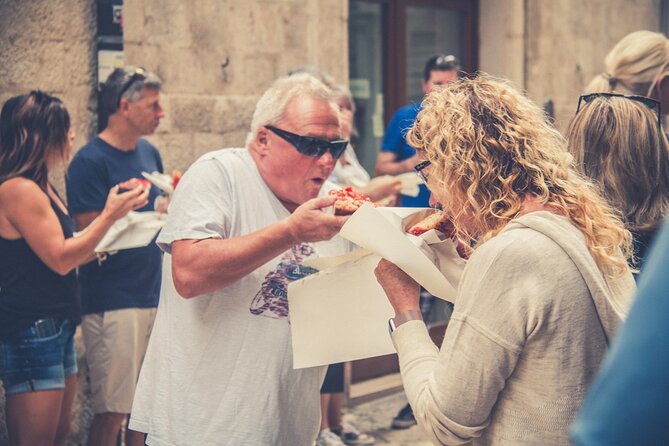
[(309, 145), (420, 171), (648, 102), (137, 75)]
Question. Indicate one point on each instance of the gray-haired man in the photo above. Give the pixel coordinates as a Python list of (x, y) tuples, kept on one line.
[(120, 295), (219, 367)]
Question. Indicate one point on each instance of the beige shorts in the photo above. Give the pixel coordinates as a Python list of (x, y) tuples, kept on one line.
[(116, 343)]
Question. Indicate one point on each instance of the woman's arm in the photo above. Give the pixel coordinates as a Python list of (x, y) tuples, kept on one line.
[(452, 390), (29, 211)]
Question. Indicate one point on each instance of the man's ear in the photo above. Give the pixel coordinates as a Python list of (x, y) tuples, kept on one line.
[(123, 105), (262, 141), (424, 86)]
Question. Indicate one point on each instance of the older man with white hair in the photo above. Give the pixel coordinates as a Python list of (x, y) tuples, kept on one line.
[(219, 365)]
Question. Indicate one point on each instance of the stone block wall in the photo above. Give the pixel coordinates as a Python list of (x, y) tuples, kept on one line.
[(553, 49), (216, 58)]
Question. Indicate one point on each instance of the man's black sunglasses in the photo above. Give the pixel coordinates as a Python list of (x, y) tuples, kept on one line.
[(138, 75), (648, 102), (419, 171), (311, 146)]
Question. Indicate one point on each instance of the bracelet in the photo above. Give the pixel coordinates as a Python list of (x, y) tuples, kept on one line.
[(101, 256), (405, 316)]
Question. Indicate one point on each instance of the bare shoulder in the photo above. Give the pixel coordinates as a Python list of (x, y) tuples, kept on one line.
[(21, 192)]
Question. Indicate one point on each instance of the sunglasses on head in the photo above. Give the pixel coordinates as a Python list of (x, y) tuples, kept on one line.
[(309, 145), (420, 171), (648, 102), (138, 75)]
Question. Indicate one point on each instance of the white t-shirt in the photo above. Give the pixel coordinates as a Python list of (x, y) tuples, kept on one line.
[(219, 367), (352, 173)]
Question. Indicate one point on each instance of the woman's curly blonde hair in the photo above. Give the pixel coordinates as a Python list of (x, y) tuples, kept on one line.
[(491, 148)]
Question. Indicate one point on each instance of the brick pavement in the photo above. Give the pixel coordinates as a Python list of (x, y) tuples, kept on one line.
[(374, 417)]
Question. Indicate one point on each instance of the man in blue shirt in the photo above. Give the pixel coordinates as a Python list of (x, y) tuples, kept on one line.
[(398, 157), (120, 295)]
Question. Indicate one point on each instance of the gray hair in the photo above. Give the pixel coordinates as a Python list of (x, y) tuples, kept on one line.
[(271, 107), (118, 81)]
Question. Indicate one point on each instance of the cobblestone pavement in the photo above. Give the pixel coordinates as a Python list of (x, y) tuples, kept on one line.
[(374, 417)]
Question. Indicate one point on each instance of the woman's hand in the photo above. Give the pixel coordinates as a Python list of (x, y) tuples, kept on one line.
[(381, 190), (119, 204), (402, 291)]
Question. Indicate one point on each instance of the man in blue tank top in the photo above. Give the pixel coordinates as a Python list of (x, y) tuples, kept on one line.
[(120, 295)]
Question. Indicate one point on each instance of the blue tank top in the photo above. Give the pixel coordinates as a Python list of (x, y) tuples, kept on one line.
[(29, 289)]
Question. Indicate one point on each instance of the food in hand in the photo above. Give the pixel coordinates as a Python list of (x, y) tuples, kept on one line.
[(348, 201), (176, 176), (132, 183), (438, 221)]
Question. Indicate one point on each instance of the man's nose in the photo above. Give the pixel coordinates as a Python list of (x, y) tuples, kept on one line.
[(327, 159)]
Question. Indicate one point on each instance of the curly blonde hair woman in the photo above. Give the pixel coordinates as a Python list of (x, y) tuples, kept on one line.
[(618, 142), (543, 291), (638, 64)]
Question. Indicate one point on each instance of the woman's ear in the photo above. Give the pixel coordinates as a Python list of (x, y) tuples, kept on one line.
[(661, 92)]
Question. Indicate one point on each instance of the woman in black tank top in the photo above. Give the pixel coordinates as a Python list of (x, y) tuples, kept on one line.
[(39, 304)]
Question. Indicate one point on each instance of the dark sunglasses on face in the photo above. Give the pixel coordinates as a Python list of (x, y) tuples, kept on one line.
[(420, 171), (309, 145), (138, 75), (648, 102)]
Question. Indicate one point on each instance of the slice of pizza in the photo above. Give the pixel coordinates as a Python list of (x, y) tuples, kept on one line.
[(133, 183), (438, 221), (176, 176), (348, 201)]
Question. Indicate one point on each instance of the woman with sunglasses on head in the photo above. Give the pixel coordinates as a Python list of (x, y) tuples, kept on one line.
[(638, 65), (543, 291), (39, 303), (618, 142)]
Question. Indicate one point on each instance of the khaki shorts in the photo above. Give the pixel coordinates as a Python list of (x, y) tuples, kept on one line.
[(116, 343)]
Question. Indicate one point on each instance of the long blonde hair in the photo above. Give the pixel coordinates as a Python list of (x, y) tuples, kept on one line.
[(634, 65), (491, 148), (618, 142)]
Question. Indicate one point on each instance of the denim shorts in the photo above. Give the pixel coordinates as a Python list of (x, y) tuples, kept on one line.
[(39, 357)]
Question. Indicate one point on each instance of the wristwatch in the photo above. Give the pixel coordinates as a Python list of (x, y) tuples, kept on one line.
[(405, 316)]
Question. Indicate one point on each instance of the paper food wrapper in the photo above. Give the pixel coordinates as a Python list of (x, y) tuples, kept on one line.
[(410, 182), (341, 313), (135, 230), (162, 181)]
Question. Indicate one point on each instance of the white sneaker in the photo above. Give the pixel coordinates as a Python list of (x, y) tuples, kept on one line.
[(328, 438), (353, 437)]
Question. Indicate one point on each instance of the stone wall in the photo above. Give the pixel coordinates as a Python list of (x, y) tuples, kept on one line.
[(216, 58), (48, 45), (554, 48)]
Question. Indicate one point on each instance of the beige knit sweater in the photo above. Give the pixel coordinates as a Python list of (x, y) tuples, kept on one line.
[(529, 330)]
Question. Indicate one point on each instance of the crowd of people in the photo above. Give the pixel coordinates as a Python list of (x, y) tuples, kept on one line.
[(188, 339)]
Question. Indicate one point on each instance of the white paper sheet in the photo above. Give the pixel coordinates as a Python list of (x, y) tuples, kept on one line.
[(334, 320), (162, 181), (135, 230), (380, 231), (341, 313)]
